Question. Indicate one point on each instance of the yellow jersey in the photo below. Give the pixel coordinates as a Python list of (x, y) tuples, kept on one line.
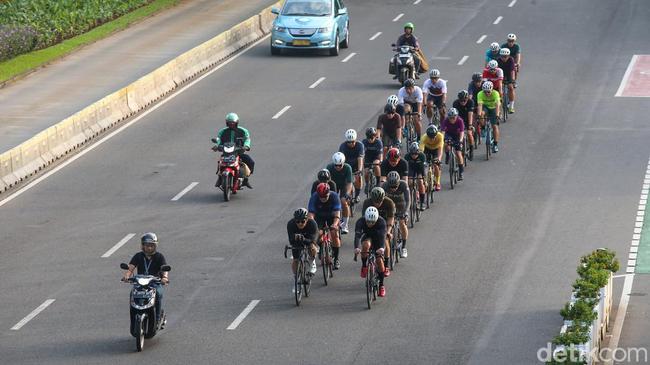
[(432, 143)]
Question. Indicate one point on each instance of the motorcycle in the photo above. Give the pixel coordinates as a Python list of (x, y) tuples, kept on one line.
[(143, 306), (229, 178), (403, 63)]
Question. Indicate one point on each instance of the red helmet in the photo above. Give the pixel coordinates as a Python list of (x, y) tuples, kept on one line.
[(393, 153), (323, 190)]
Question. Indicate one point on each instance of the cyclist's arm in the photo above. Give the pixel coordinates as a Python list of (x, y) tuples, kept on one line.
[(358, 232), (312, 233), (291, 232), (311, 207)]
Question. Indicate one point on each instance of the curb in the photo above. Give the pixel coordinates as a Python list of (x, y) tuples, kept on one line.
[(65, 137)]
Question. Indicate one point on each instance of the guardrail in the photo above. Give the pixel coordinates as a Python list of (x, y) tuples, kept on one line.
[(54, 143)]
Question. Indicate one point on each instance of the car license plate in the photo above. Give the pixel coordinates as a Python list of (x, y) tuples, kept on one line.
[(301, 42)]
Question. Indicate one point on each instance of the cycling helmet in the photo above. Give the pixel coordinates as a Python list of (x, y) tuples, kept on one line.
[(371, 215), (409, 83), (463, 94), (493, 64), (432, 130), (477, 76), (393, 153), (149, 238), (389, 108), (338, 158), (393, 100), (232, 119), (453, 112), (434, 73), (393, 179), (324, 175), (414, 147), (494, 46), (371, 132), (377, 194), (409, 25), (487, 86), (323, 190), (504, 52), (512, 37), (300, 214), (350, 135)]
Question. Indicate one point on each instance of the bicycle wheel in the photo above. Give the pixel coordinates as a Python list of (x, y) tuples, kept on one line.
[(413, 207), (488, 141), (504, 105), (452, 168), (325, 258), (306, 279), (431, 180), (297, 289), (398, 245), (369, 279), (417, 201)]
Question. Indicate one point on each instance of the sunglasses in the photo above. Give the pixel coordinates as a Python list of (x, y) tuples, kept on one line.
[(338, 166), (302, 221)]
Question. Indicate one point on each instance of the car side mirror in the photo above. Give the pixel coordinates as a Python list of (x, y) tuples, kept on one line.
[(275, 10), (124, 266), (342, 11), (214, 140), (165, 268)]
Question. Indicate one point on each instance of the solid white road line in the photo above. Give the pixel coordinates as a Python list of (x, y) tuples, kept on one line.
[(498, 20), (375, 36), (398, 17), (462, 60), (317, 82), (512, 3), (346, 59), (278, 114), (243, 314), (31, 316), (416, 2), (184, 191), (118, 245), (480, 40), (628, 71), (127, 125)]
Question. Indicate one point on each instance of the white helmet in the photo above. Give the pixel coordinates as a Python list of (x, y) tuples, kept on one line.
[(494, 46), (487, 86), (504, 52), (338, 158), (350, 135), (434, 73), (512, 37), (393, 99), (371, 214), (493, 64)]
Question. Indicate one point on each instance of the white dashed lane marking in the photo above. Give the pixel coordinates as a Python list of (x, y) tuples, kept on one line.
[(512, 3), (462, 60), (498, 20), (118, 245), (278, 114), (346, 59), (184, 191), (480, 40), (243, 314), (317, 82), (375, 36), (33, 314), (398, 17)]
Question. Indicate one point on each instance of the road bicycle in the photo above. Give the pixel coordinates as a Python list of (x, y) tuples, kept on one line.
[(452, 160), (302, 277), (372, 278), (415, 200), (325, 255)]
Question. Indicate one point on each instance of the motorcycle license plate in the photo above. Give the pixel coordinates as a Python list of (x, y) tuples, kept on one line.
[(301, 42)]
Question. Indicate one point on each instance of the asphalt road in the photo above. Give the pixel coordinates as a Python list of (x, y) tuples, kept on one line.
[(489, 267)]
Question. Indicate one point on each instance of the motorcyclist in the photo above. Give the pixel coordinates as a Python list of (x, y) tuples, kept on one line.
[(149, 262), (240, 136), (409, 39)]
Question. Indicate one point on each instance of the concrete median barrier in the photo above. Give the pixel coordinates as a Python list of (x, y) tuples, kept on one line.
[(56, 142)]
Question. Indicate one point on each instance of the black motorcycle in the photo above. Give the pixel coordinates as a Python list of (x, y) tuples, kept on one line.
[(403, 63), (143, 306)]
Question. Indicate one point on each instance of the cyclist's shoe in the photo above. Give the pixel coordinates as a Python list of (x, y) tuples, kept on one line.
[(382, 291), (337, 264), (495, 148), (246, 183), (460, 176), (312, 269), (404, 252), (356, 200), (511, 109), (364, 272), (386, 272), (436, 187), (344, 229)]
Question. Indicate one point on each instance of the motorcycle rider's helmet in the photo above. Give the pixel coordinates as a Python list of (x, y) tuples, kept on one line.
[(371, 215), (393, 179), (371, 132), (389, 108), (232, 120), (409, 83), (432, 130), (324, 175), (149, 238), (323, 190), (409, 25), (377, 194), (300, 214)]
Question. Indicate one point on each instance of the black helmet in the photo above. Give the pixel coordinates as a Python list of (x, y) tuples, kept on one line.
[(476, 77), (300, 214), (409, 83), (463, 94), (389, 108), (324, 175), (149, 237), (371, 132), (377, 194)]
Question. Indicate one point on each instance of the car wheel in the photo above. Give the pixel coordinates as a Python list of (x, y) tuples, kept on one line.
[(275, 51), (346, 41), (334, 51)]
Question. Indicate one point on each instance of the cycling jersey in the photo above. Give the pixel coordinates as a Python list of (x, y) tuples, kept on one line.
[(373, 150), (453, 130), (507, 66), (376, 234), (326, 210), (489, 101), (400, 196), (309, 231), (352, 154), (514, 49), (331, 183), (431, 143), (342, 177), (489, 55), (435, 88), (463, 110), (416, 97), (388, 125), (416, 165), (402, 167), (386, 208), (496, 77), (474, 89)]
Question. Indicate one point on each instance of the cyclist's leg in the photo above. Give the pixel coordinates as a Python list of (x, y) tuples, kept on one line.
[(357, 179), (429, 108), (365, 248), (296, 258), (403, 227), (381, 268), (511, 93), (313, 250), (376, 169), (442, 108), (492, 114)]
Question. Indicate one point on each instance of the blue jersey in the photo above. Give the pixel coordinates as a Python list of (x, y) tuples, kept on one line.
[(489, 55), (324, 210), (373, 150), (351, 154)]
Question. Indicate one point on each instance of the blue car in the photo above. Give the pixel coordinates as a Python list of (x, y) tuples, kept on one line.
[(311, 24)]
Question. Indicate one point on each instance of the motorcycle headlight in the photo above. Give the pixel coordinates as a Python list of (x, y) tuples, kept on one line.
[(143, 281), (280, 29), (324, 30)]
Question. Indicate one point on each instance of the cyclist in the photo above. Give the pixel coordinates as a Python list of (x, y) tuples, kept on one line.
[(394, 100), (341, 173), (398, 191), (431, 144), (412, 95), (492, 52), (386, 208), (474, 86), (515, 51), (394, 162), (409, 39), (389, 127), (435, 91), (494, 74), (465, 106), (489, 102), (302, 232), (239, 135), (416, 161), (370, 233), (507, 64), (374, 154), (454, 129), (323, 177), (354, 152), (325, 208)]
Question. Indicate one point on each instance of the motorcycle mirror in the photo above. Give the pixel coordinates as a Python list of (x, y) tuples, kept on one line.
[(165, 268), (124, 266), (214, 140), (392, 44)]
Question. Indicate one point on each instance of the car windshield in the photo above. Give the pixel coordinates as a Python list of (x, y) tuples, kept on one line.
[(308, 8)]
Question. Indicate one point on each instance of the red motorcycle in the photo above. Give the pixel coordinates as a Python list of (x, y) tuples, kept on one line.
[(229, 179)]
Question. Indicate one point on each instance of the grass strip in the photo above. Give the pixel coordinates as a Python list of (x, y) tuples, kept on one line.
[(29, 61)]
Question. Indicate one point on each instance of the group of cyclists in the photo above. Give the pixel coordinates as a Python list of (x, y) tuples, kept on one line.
[(376, 165)]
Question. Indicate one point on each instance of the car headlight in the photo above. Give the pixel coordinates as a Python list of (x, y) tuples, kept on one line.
[(324, 30), (280, 29)]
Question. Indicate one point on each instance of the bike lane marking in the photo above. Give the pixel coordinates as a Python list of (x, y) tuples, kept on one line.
[(636, 80), (243, 314), (184, 191), (33, 314), (118, 245)]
